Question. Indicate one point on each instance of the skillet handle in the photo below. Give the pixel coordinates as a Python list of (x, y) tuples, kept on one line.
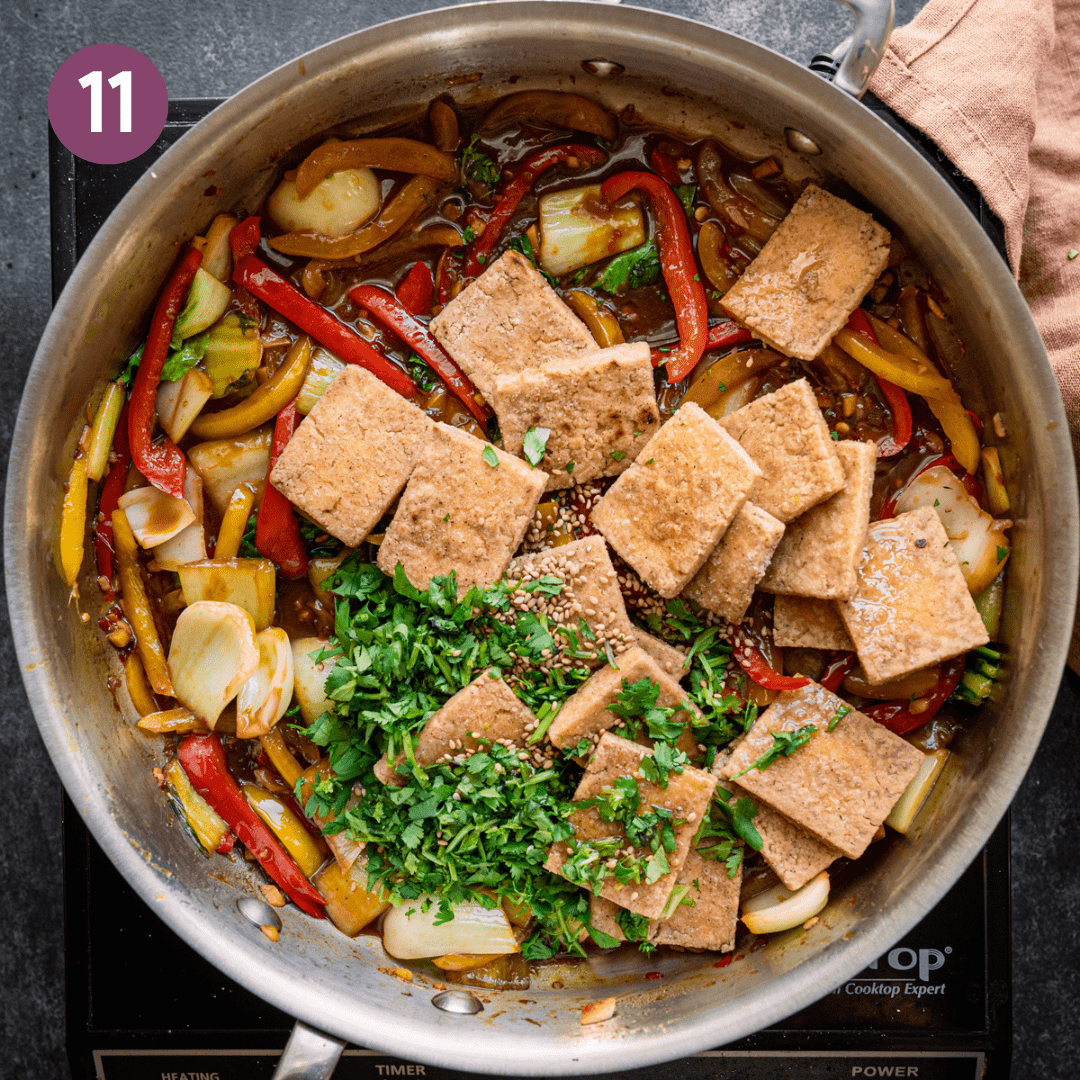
[(866, 46), (308, 1055)]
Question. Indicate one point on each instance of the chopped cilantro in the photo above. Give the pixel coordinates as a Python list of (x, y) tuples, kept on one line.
[(1001, 553), (839, 715), (632, 269), (617, 455), (422, 374), (534, 445), (477, 167), (468, 235), (635, 928), (785, 743), (570, 466), (1073, 253), (318, 542), (248, 550), (490, 457), (686, 193), (636, 707)]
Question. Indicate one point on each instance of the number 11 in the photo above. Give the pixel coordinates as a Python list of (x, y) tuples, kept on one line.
[(121, 79)]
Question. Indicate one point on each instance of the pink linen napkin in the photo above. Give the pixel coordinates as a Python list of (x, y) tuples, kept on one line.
[(996, 84)]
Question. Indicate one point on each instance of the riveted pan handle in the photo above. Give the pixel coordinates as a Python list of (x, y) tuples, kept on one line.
[(308, 1055), (860, 54)]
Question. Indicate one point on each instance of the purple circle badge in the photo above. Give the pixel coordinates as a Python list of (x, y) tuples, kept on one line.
[(108, 103)]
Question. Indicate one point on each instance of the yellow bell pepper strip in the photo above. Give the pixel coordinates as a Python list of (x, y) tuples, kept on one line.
[(73, 521), (203, 759), (264, 404), (281, 757), (234, 522), (142, 697), (899, 406), (394, 154), (136, 605), (111, 491), (905, 371), (172, 722), (601, 322), (287, 827), (997, 497), (948, 408), (209, 829), (102, 431)]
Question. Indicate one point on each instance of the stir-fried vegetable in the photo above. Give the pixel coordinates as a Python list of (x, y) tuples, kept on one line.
[(245, 583), (578, 227), (180, 402), (277, 532), (338, 204), (73, 521), (263, 700), (426, 927), (778, 908), (398, 155)]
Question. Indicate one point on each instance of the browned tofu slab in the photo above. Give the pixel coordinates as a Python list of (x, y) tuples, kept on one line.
[(912, 607), (804, 623), (483, 712), (786, 435), (585, 713), (820, 550), (710, 922), (599, 407), (665, 514), (460, 513), (590, 595), (842, 784), (811, 275), (687, 796), (672, 661), (795, 856), (352, 455), (725, 584), (508, 320)]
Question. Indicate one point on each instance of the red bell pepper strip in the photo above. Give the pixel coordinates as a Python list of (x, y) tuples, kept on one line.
[(204, 761), (277, 532), (227, 842), (417, 290), (751, 659), (676, 263), (415, 334), (721, 336), (111, 491), (518, 187), (164, 465), (896, 715), (837, 670), (244, 238), (269, 286), (665, 165), (894, 395)]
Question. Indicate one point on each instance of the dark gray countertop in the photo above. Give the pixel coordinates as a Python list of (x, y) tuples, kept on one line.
[(206, 49)]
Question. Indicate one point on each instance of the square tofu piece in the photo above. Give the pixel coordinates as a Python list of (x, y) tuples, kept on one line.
[(351, 456), (804, 623), (912, 607), (508, 320), (725, 584), (665, 514), (708, 924), (599, 407), (786, 435), (485, 710), (687, 796), (460, 513), (585, 713), (794, 855), (811, 275), (671, 661), (839, 786), (590, 594), (821, 549)]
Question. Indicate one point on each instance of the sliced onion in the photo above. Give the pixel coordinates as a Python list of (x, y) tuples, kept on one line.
[(155, 517), (264, 698), (226, 464), (213, 653), (178, 403), (247, 583), (188, 545), (780, 909), (338, 205), (323, 368), (578, 227), (309, 683), (410, 933)]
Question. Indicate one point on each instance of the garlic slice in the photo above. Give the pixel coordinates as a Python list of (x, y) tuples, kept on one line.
[(264, 698), (213, 653), (780, 909)]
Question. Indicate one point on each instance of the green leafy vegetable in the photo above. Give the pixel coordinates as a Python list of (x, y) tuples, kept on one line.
[(841, 712), (636, 707), (534, 444), (490, 457), (181, 360), (477, 166), (686, 193), (422, 374), (635, 928), (785, 743), (618, 455), (632, 269), (318, 542)]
